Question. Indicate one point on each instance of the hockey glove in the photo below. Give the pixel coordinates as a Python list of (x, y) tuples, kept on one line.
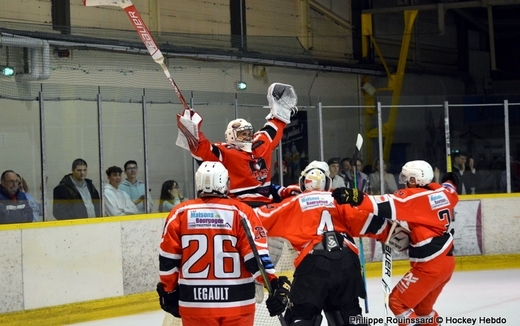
[(350, 196), (169, 301), (277, 302), (451, 177), (398, 238), (282, 102)]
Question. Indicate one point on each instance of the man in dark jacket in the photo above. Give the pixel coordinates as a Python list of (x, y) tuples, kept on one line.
[(14, 207), (76, 196)]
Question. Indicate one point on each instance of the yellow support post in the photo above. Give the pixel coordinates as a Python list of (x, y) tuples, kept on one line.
[(397, 80), (366, 33)]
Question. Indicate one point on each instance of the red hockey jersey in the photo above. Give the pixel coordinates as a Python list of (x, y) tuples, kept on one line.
[(249, 173), (302, 219), (205, 250), (427, 213)]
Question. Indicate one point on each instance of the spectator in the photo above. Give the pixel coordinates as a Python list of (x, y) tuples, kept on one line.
[(367, 169), (76, 196), (276, 176), (337, 180), (136, 188), (346, 170), (117, 202), (14, 207), (390, 186), (36, 207), (465, 170), (363, 183), (171, 196)]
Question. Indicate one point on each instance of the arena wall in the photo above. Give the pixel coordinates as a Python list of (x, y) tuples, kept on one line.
[(92, 263)]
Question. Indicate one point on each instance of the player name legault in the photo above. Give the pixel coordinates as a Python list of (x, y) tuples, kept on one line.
[(205, 294)]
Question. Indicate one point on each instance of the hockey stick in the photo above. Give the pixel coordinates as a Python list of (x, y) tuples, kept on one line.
[(152, 48), (386, 266), (359, 143), (261, 267)]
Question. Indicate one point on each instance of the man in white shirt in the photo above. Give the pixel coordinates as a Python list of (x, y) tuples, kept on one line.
[(337, 180), (116, 202)]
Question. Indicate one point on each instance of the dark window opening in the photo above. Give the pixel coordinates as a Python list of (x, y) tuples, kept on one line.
[(61, 15)]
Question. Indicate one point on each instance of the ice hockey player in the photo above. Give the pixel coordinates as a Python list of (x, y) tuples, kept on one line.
[(206, 262), (425, 210), (328, 273), (248, 155)]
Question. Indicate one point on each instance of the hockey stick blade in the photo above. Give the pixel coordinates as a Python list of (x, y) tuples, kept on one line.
[(359, 142)]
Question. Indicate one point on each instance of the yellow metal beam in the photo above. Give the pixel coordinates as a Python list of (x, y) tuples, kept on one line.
[(397, 79), (366, 33)]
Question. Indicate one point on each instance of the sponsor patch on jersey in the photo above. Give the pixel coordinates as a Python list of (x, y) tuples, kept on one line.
[(438, 200), (316, 200), (210, 219)]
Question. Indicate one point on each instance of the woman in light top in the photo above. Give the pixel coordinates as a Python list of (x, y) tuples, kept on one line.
[(170, 196)]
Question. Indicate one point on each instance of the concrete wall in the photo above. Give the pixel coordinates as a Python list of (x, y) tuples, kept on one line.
[(56, 263)]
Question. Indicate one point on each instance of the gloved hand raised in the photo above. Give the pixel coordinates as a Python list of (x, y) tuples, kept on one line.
[(169, 301), (277, 302), (282, 102), (350, 196), (451, 177)]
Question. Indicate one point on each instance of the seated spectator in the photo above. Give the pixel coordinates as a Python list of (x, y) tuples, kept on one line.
[(116, 201), (76, 196), (337, 180), (14, 207), (390, 186), (171, 196), (36, 207), (136, 188)]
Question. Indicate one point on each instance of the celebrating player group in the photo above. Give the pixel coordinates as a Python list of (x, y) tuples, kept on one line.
[(215, 247)]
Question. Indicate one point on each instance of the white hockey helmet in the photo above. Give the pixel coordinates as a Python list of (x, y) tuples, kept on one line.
[(420, 170), (232, 132), (212, 179), (315, 176)]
